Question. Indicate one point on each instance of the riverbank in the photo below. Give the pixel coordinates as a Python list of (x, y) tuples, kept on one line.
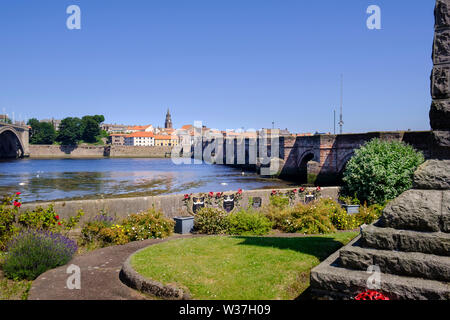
[(91, 151)]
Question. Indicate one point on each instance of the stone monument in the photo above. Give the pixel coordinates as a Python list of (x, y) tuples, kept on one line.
[(410, 244)]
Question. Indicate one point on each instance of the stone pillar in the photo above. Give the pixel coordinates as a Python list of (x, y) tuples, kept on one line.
[(440, 81)]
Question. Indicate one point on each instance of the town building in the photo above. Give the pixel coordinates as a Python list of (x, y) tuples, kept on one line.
[(55, 123), (168, 122), (133, 129), (140, 139), (166, 140), (117, 139)]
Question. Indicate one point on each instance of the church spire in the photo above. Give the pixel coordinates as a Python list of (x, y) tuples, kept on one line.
[(168, 123)]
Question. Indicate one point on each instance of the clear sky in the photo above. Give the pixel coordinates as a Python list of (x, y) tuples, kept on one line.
[(228, 63)]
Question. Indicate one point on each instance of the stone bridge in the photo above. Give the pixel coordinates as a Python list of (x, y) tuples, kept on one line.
[(321, 159), (318, 159), (14, 141)]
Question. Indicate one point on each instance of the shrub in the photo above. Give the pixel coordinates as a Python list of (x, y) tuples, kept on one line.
[(248, 222), (9, 207), (211, 221), (102, 232), (369, 214), (151, 224), (279, 201), (33, 252), (312, 218), (381, 170)]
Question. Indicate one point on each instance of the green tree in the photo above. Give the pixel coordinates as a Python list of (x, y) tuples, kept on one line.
[(46, 134), (90, 129), (381, 170), (69, 131), (35, 125)]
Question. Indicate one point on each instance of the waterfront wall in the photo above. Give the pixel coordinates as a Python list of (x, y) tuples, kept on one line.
[(170, 205), (55, 151)]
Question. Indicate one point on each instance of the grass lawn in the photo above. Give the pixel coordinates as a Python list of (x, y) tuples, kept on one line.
[(252, 268)]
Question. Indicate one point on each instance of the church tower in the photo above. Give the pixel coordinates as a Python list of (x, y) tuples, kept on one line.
[(168, 123)]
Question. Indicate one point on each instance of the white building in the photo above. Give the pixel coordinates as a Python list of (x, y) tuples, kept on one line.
[(142, 139)]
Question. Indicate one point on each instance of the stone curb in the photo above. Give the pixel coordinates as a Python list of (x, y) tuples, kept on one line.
[(131, 278)]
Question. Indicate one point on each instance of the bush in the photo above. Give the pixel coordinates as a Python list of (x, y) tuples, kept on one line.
[(102, 232), (211, 221), (279, 201), (248, 222), (33, 252), (312, 218), (151, 224), (381, 170), (369, 214), (9, 207)]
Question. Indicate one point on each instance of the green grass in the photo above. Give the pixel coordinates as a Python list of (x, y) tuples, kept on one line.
[(10, 289), (253, 268)]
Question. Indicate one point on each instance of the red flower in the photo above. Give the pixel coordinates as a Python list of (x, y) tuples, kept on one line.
[(59, 223), (294, 191), (239, 191), (274, 192), (302, 189), (18, 193), (218, 194), (186, 196), (318, 188), (211, 194), (57, 217), (371, 295), (17, 204)]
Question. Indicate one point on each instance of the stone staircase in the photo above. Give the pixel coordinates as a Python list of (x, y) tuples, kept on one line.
[(410, 244)]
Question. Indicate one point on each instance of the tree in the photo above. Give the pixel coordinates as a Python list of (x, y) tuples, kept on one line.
[(69, 131), (35, 125), (381, 170), (90, 129), (46, 134)]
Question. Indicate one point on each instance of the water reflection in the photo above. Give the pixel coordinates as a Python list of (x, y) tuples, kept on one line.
[(93, 178)]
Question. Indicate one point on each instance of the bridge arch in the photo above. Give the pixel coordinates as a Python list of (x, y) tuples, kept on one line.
[(302, 164), (342, 164), (11, 144)]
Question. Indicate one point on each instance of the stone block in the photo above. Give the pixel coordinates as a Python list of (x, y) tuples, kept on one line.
[(418, 210), (411, 264), (442, 138), (441, 47), (433, 174), (442, 14), (437, 243), (440, 80), (440, 114)]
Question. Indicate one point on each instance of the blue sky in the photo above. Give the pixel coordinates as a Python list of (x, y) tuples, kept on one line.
[(228, 63)]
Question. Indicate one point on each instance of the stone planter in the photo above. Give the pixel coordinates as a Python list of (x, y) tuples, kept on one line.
[(351, 208), (184, 225)]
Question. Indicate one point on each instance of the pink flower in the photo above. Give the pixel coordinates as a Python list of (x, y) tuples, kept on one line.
[(318, 188), (294, 191), (239, 191), (186, 196), (18, 193), (211, 194)]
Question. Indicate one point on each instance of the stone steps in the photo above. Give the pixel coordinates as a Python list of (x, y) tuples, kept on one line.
[(409, 264), (437, 243), (331, 279)]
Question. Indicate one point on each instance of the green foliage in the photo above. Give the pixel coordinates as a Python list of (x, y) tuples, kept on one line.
[(69, 131), (8, 214), (279, 201), (39, 218), (90, 129), (41, 132), (248, 222), (381, 170), (147, 225), (349, 200), (369, 214), (211, 221), (103, 232)]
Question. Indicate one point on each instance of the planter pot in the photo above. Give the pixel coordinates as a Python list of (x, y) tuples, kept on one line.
[(184, 225), (351, 208)]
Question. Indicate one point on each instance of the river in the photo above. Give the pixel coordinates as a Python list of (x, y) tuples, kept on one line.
[(57, 179)]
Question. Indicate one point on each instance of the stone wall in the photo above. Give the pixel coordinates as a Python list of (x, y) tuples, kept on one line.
[(171, 205), (54, 151)]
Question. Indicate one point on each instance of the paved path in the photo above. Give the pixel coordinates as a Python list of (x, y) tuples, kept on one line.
[(99, 275)]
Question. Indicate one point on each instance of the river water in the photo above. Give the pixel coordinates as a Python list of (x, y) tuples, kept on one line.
[(57, 179)]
